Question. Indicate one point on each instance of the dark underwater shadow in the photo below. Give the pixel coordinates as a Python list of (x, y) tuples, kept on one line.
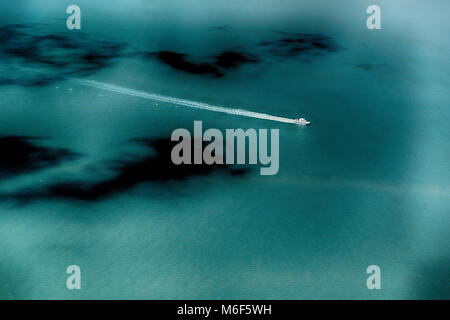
[(216, 66), (155, 167), (21, 154), (297, 44), (32, 56)]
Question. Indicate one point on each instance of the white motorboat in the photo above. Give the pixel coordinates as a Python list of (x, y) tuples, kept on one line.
[(302, 122)]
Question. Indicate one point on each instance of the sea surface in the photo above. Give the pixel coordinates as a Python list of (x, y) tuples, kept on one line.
[(85, 178)]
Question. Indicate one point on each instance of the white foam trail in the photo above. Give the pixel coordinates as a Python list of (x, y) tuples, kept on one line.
[(181, 102)]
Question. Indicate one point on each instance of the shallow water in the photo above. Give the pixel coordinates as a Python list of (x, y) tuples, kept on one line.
[(367, 183)]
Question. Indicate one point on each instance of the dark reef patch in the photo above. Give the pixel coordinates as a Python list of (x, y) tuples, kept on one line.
[(216, 68), (178, 61), (232, 59), (301, 44), (30, 56), (291, 45), (156, 167), (21, 155), (33, 55)]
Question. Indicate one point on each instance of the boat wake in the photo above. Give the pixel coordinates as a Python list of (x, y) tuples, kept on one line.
[(181, 102)]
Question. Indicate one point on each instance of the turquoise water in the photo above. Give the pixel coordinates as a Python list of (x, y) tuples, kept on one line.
[(367, 183)]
